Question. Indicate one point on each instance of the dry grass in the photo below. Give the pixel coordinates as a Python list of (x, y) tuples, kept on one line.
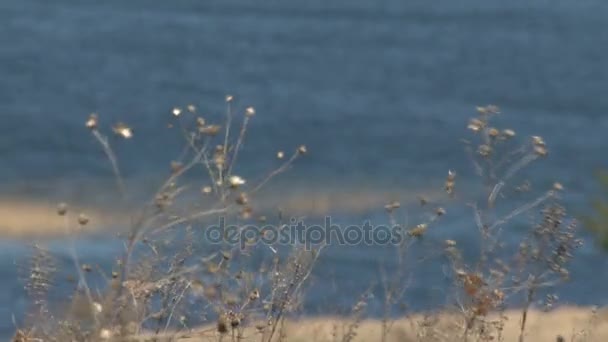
[(166, 284), (572, 323)]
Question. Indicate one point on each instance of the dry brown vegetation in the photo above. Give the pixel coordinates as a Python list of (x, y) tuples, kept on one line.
[(168, 286)]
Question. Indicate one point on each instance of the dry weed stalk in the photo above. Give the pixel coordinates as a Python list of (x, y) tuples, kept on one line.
[(168, 277)]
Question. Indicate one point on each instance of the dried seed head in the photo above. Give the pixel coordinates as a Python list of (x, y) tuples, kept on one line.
[(221, 326), (114, 274), (449, 187), (123, 130), (235, 319), (538, 141), (508, 133), (280, 155), (219, 159), (200, 122), (226, 255), (254, 295), (246, 213), (86, 268), (97, 308), (235, 181), (191, 108), (558, 186), (176, 111), (489, 109), (62, 209), (302, 149), (209, 130), (476, 125), (440, 211), (83, 219), (250, 111), (450, 243), (540, 151), (206, 190), (493, 132), (176, 166), (229, 98), (105, 334), (92, 121), (419, 230), (451, 175), (484, 150), (242, 199)]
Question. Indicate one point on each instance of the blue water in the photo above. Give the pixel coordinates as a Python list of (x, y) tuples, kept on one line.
[(379, 91)]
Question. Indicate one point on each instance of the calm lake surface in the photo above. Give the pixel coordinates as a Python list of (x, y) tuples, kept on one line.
[(379, 91)]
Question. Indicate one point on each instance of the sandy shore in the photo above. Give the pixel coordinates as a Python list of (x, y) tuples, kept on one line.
[(24, 217), (572, 323)]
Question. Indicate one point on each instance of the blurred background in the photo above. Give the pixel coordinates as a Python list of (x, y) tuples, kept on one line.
[(379, 91)]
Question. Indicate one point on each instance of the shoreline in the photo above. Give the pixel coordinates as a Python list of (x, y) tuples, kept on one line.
[(573, 323)]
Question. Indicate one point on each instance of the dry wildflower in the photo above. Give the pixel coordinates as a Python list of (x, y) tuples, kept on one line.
[(114, 275), (508, 133), (484, 150), (226, 255), (451, 175), (222, 326), (191, 108), (246, 213), (219, 159), (83, 219), (123, 130), (538, 141), (280, 155), (254, 295), (450, 243), (440, 211), (176, 111), (419, 230), (92, 121), (229, 98), (250, 111), (98, 308), (206, 190), (210, 129), (489, 109), (450, 182), (493, 132), (235, 181), (176, 166), (540, 151), (475, 125), (105, 334), (473, 283), (86, 267), (242, 199), (302, 149), (62, 209), (213, 268), (558, 186), (200, 122)]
